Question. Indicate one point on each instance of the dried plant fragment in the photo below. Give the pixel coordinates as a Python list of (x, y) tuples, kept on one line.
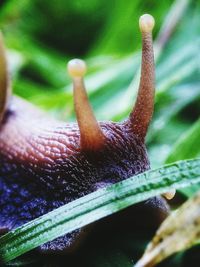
[(178, 232)]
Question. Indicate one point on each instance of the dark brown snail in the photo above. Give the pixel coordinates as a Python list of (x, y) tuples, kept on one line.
[(46, 163)]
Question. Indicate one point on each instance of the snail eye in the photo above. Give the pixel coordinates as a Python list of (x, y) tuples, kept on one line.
[(91, 135), (141, 115)]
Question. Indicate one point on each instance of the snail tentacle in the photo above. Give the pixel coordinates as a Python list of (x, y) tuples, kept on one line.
[(4, 80), (91, 135), (141, 115)]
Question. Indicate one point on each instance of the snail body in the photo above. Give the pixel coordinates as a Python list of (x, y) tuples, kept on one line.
[(46, 163)]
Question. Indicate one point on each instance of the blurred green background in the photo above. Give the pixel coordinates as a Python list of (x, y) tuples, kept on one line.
[(41, 36)]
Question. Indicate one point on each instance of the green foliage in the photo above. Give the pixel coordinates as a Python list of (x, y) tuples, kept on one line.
[(42, 35)]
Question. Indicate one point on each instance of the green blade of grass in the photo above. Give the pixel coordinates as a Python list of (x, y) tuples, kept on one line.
[(97, 205)]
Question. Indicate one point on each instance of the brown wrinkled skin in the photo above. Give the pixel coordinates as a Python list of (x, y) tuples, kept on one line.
[(42, 167)]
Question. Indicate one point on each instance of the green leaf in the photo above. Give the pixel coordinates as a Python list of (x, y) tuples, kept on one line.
[(97, 205)]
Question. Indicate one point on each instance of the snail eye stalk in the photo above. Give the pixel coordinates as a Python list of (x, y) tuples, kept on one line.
[(91, 135), (141, 115)]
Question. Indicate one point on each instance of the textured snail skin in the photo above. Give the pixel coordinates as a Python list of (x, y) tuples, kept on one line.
[(52, 170), (43, 166)]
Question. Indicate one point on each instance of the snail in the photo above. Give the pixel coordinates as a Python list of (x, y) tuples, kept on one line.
[(45, 163)]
